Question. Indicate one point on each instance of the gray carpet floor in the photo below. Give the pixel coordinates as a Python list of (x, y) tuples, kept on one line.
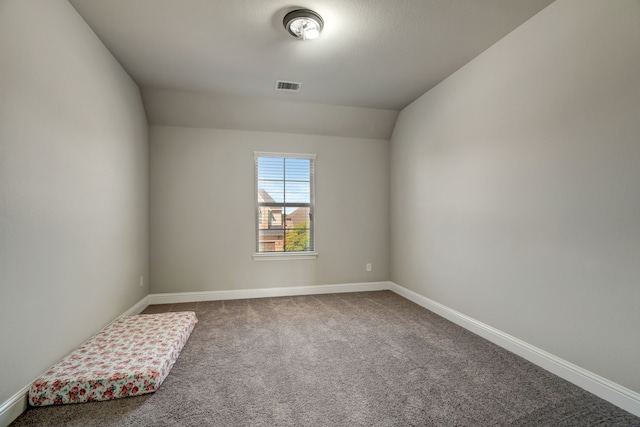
[(371, 358)]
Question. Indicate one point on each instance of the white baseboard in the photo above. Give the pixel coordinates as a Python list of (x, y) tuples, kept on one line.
[(620, 396), (137, 308), (13, 407), (17, 404), (172, 298)]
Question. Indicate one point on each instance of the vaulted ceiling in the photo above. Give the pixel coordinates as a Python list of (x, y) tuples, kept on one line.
[(372, 53)]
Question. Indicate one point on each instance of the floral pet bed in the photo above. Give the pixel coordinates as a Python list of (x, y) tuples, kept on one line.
[(132, 356)]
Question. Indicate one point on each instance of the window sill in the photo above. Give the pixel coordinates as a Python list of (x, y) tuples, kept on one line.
[(284, 256)]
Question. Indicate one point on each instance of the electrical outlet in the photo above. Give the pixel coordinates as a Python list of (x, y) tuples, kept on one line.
[(141, 281), (368, 266)]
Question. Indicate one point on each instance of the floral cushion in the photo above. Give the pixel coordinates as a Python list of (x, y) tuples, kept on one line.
[(131, 356)]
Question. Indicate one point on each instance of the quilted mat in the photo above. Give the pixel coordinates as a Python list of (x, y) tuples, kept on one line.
[(129, 357)]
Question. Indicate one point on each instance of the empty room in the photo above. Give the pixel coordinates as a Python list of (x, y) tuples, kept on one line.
[(319, 213)]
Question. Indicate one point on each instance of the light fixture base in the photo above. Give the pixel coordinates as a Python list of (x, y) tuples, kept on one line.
[(303, 24)]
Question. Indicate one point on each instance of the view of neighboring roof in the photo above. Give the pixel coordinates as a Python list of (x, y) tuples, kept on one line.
[(264, 197)]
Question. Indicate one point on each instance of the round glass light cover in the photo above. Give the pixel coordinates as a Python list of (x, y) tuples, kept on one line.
[(305, 28), (303, 24)]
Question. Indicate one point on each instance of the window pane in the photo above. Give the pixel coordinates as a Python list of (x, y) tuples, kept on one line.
[(298, 169), (270, 229), (298, 192), (297, 218), (270, 191), (298, 239), (270, 168), (267, 247), (270, 218)]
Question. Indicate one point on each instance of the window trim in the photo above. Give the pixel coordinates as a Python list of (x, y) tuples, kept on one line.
[(284, 256)]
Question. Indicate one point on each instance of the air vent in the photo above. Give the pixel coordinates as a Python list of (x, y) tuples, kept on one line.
[(288, 86)]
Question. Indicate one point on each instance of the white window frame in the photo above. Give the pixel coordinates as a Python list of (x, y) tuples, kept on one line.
[(285, 256)]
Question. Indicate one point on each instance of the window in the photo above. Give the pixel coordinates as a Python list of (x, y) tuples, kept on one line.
[(284, 205)]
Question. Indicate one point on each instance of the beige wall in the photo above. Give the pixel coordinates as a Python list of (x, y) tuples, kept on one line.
[(73, 188), (515, 187), (202, 199), (170, 107)]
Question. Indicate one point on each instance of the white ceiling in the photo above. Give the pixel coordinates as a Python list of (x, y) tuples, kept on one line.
[(372, 53)]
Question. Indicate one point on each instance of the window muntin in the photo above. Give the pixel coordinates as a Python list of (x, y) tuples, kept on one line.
[(284, 203)]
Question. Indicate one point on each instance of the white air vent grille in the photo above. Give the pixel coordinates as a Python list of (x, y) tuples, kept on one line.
[(285, 86)]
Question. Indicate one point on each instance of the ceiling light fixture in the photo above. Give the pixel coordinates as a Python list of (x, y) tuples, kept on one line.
[(303, 24)]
